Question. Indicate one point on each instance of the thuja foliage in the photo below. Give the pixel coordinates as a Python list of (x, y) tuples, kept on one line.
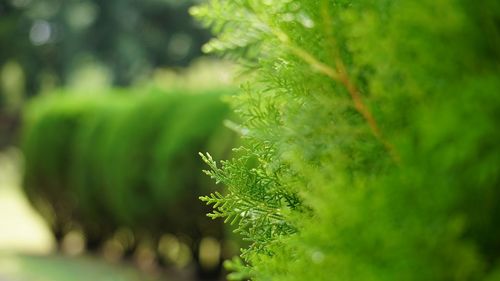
[(371, 138)]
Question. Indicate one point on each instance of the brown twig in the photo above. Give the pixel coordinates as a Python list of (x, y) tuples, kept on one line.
[(343, 78), (339, 74)]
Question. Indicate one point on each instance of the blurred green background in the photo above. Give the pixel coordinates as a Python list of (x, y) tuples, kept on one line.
[(104, 106)]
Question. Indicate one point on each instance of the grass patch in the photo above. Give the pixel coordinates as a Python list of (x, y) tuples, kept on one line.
[(62, 268)]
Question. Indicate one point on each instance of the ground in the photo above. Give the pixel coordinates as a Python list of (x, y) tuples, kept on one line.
[(15, 267)]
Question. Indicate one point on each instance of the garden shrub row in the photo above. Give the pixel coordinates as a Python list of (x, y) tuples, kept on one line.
[(100, 163), (371, 138)]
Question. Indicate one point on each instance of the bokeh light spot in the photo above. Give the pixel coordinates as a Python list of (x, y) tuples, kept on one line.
[(40, 32)]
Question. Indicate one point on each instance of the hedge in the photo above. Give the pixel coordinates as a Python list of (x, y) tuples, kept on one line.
[(124, 160)]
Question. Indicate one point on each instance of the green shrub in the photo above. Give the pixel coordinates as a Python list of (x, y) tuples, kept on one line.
[(48, 143), (92, 161), (124, 160), (371, 138)]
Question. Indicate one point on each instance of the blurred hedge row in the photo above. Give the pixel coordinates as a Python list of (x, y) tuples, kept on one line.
[(123, 160)]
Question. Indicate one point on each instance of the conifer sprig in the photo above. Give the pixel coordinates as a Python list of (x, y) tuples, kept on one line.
[(337, 94)]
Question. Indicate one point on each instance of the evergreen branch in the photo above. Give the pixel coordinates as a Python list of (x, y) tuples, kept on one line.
[(339, 74), (363, 109)]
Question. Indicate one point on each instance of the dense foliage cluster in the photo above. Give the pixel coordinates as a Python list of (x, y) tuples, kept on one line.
[(101, 163), (371, 134)]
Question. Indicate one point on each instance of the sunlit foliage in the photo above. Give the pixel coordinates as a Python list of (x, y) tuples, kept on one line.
[(371, 134)]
